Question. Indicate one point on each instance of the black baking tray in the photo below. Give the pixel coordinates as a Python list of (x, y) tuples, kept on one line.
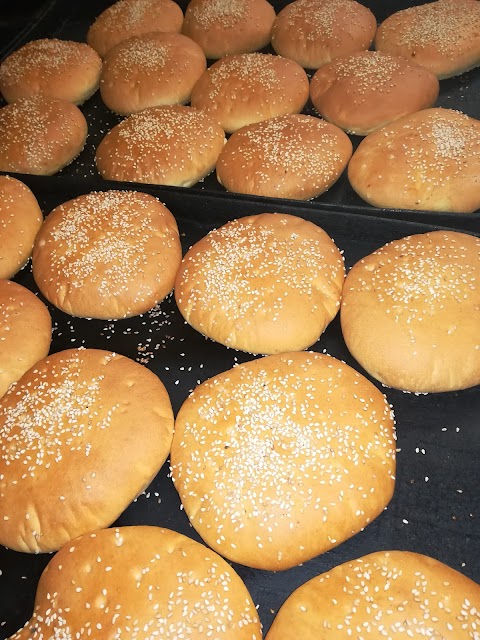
[(71, 20), (436, 505)]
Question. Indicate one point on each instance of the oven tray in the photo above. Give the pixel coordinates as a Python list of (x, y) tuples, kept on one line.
[(71, 20), (436, 506)]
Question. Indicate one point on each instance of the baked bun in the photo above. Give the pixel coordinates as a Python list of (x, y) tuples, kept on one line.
[(40, 135), (265, 283), (313, 32), (57, 68), (283, 458), (20, 220), (151, 69), (442, 36), (411, 310), (25, 332), (383, 595), (426, 161), (370, 89), (171, 145), (109, 254), (141, 582), (127, 18), (242, 89), (293, 156), (223, 28), (95, 429)]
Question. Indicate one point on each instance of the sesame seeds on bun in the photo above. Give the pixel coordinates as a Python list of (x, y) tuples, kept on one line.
[(110, 254), (442, 35), (40, 135), (246, 88), (425, 161), (313, 32), (224, 27), (150, 69), (172, 145), (61, 69), (369, 89), (292, 156), (140, 582), (82, 433), (264, 283), (411, 310), (282, 458), (25, 332), (387, 594), (127, 18), (20, 220)]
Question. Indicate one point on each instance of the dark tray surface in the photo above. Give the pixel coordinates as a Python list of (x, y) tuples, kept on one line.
[(438, 434)]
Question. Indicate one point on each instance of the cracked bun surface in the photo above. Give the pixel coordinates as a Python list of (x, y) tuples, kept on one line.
[(107, 254), (265, 283), (82, 434), (411, 310), (413, 596), (282, 458), (140, 582)]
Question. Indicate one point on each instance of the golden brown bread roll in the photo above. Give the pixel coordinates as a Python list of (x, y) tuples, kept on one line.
[(411, 310), (107, 254), (20, 220), (127, 18), (82, 434), (387, 594), (61, 69), (265, 283), (442, 35), (313, 32), (269, 86), (140, 582), (223, 28), (25, 332), (283, 458), (292, 156), (369, 89)]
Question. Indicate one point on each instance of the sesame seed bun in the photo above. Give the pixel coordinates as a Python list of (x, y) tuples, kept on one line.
[(20, 220), (370, 89), (74, 462), (441, 35), (172, 145), (283, 458), (226, 27), (313, 32), (141, 582), (265, 283), (40, 135), (25, 332), (426, 161), (269, 86), (383, 595), (127, 18), (57, 68), (410, 312), (111, 254), (293, 156), (151, 69)]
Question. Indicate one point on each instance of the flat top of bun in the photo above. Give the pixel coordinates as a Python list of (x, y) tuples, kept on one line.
[(113, 253), (394, 594), (70, 461), (141, 582), (281, 458), (265, 283)]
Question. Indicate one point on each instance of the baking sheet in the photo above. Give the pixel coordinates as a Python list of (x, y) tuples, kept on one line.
[(436, 506), (71, 20)]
